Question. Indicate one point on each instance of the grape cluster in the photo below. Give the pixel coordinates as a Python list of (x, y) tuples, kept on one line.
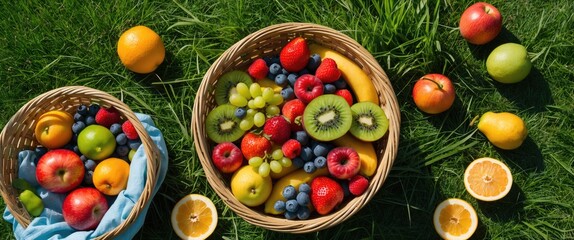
[(254, 104), (274, 162), (296, 204), (313, 153)]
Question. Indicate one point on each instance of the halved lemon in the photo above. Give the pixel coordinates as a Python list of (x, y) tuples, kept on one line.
[(455, 219), (194, 217), (487, 179)]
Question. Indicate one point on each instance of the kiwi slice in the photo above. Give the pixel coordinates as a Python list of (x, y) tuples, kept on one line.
[(222, 125), (227, 82), (370, 123), (327, 117)]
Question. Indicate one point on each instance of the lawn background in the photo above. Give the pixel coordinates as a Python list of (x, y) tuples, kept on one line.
[(45, 45)]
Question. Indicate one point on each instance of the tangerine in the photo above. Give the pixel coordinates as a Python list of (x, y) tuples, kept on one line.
[(111, 176), (140, 49)]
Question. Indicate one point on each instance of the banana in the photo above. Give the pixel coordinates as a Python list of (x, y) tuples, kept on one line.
[(266, 82), (295, 179), (284, 171), (365, 150), (356, 78)]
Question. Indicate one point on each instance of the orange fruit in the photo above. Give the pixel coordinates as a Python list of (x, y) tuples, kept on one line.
[(54, 129), (194, 217), (140, 49), (455, 219), (487, 179), (111, 176)]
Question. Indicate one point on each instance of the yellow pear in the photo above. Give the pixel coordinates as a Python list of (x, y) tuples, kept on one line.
[(504, 130), (249, 187)]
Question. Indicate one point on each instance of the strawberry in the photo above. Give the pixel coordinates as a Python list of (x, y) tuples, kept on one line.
[(129, 130), (326, 194), (255, 145), (277, 129), (293, 111), (295, 55), (358, 185), (328, 71), (346, 94), (291, 148), (258, 69), (107, 116)]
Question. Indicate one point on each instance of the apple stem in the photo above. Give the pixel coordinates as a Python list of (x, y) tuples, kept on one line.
[(437, 83), (487, 10)]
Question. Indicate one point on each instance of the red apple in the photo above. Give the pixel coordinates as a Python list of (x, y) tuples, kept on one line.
[(343, 162), (433, 93), (227, 157), (84, 208), (60, 170), (480, 23)]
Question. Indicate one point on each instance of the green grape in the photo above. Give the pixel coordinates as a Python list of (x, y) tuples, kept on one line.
[(259, 119), (237, 100), (277, 154), (276, 166), (243, 90), (246, 124), (277, 99), (264, 169), (255, 90), (259, 102), (232, 91), (251, 104), (285, 162), (272, 110), (267, 94), (255, 161), (250, 113)]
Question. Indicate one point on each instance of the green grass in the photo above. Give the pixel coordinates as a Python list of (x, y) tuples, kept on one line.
[(49, 45)]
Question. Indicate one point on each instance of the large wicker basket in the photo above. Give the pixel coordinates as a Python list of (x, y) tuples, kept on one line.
[(269, 41), (18, 134)]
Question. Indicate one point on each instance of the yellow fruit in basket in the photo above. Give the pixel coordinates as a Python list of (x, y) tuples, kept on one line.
[(140, 49), (504, 130), (270, 84), (487, 179), (294, 179), (365, 150), (358, 80), (54, 129), (194, 217), (455, 219), (111, 176), (249, 187)]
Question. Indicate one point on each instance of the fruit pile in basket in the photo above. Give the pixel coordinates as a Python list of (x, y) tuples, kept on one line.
[(295, 130), (84, 157)]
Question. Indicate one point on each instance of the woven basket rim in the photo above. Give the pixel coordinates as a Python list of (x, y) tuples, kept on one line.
[(88, 94), (241, 50)]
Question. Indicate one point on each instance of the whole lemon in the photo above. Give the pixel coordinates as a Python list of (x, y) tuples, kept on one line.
[(504, 130), (140, 49), (508, 63), (249, 187)]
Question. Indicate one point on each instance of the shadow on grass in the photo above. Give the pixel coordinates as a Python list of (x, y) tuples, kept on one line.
[(482, 51), (165, 74), (532, 93), (527, 157), (509, 208)]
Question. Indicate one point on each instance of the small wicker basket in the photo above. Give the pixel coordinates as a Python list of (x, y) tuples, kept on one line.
[(269, 41), (18, 134)]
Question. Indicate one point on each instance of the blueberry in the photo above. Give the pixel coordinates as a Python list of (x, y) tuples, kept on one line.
[(281, 80), (240, 112), (83, 158), (116, 129), (304, 71), (309, 167), (88, 177), (76, 149), (275, 68), (290, 215), (121, 139), (82, 110), (287, 93), (271, 76), (329, 89), (284, 71), (271, 59), (292, 78), (134, 144), (93, 110), (298, 162), (303, 213), (90, 164), (79, 117), (314, 62), (279, 206), (340, 84), (40, 151), (303, 198), (320, 162), (77, 127), (304, 187), (306, 154), (289, 192), (321, 149), (122, 150), (302, 137), (90, 120), (291, 205)]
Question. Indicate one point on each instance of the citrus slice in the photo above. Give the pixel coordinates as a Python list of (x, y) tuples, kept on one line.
[(194, 217), (487, 179), (455, 219)]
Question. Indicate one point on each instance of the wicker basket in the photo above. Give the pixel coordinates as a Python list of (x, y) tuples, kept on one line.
[(269, 41), (18, 134)]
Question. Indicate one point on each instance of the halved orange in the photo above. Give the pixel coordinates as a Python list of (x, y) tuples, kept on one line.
[(487, 179), (194, 217), (455, 219)]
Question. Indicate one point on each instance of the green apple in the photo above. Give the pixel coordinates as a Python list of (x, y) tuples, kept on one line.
[(249, 187), (508, 63), (96, 142)]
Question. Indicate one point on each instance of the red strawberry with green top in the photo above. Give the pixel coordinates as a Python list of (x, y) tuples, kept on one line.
[(295, 55), (255, 145), (129, 130), (258, 69), (293, 111), (277, 129), (346, 94), (328, 71), (107, 116), (326, 194)]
